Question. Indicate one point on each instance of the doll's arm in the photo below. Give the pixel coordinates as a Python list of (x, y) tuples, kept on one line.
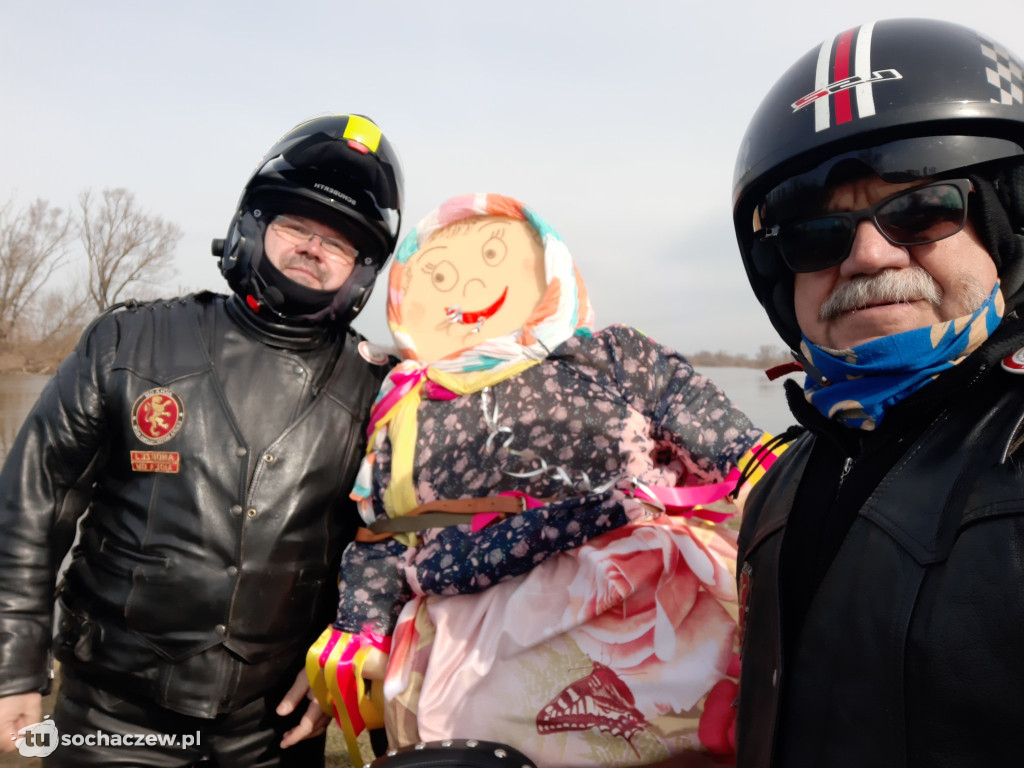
[(683, 407), (456, 560), (372, 588), (372, 591)]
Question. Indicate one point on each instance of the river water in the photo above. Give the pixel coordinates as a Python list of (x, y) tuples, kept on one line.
[(762, 400)]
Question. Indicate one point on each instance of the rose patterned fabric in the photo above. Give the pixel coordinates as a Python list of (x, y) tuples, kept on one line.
[(620, 652)]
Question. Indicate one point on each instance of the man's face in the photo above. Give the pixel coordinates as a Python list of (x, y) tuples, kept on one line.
[(941, 280), (301, 257)]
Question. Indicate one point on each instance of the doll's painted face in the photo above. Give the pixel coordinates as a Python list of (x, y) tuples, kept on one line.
[(475, 280)]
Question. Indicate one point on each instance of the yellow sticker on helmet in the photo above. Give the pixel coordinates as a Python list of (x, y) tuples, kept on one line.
[(364, 131)]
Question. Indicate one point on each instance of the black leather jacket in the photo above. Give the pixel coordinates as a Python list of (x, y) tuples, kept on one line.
[(907, 652), (213, 454)]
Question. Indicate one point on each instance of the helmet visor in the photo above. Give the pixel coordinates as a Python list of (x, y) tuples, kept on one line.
[(805, 195)]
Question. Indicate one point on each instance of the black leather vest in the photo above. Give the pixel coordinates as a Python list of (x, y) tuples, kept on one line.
[(910, 651)]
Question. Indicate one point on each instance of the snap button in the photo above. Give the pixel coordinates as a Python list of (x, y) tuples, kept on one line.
[(240, 451), (251, 512), (220, 629), (232, 570), (236, 510)]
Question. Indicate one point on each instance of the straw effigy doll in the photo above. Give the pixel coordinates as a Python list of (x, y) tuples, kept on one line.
[(518, 580)]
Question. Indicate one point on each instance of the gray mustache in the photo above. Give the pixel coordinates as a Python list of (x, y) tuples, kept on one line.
[(889, 287)]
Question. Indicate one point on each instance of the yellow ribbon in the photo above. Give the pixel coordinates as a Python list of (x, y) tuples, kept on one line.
[(399, 497)]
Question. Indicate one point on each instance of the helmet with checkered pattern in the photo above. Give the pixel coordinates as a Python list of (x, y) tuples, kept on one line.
[(909, 99), (339, 170)]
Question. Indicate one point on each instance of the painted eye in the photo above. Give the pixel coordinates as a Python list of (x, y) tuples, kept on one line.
[(443, 276), (494, 250)]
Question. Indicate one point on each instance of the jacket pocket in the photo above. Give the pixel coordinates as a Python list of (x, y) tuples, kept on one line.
[(120, 559), (102, 649), (178, 609), (274, 609)]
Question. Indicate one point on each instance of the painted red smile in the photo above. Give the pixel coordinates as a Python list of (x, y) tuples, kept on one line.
[(470, 318)]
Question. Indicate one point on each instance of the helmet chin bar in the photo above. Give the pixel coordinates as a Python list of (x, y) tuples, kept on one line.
[(284, 295), (290, 302), (354, 293)]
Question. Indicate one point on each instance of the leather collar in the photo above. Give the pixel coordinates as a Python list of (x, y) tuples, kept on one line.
[(273, 332)]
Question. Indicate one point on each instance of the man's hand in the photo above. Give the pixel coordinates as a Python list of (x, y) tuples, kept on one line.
[(16, 712), (314, 721)]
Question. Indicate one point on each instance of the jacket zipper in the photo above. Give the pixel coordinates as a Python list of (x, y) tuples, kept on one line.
[(847, 464)]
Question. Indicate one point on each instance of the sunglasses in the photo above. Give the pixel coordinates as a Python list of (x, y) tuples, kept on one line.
[(915, 216)]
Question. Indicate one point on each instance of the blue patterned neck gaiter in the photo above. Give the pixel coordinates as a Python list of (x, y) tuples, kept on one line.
[(861, 383)]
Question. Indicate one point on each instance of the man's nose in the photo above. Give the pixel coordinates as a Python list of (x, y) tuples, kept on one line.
[(314, 245), (871, 252)]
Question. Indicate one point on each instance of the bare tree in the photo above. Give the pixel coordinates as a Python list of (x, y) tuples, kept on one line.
[(57, 318), (124, 245), (768, 356), (33, 245)]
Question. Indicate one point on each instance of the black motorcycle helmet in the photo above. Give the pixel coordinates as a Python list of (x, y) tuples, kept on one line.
[(339, 170), (907, 98)]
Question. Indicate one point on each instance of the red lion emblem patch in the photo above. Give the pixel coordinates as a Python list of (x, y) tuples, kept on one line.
[(157, 416)]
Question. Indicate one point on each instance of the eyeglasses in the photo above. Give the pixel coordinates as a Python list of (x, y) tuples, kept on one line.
[(296, 233), (914, 216)]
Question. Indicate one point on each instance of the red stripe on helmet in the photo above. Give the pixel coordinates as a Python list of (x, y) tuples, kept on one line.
[(843, 107)]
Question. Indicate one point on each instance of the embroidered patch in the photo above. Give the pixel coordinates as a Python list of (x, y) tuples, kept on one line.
[(373, 354), (1014, 363), (156, 461), (157, 416)]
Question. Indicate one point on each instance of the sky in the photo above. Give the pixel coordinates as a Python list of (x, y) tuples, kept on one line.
[(617, 122)]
